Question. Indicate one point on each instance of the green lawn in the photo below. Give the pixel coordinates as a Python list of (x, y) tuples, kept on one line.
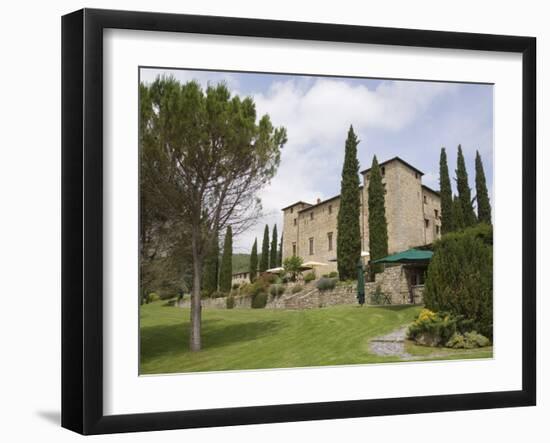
[(427, 353), (264, 338)]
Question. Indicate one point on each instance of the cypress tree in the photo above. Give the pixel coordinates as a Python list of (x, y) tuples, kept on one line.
[(273, 252), (348, 247), (446, 194), (458, 215), (264, 259), (280, 256), (482, 196), (211, 267), (226, 269), (254, 262), (464, 193), (378, 227)]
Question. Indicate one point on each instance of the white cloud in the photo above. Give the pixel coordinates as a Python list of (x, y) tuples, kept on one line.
[(317, 115), (325, 110)]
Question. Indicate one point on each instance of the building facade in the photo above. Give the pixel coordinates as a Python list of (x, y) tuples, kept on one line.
[(413, 213)]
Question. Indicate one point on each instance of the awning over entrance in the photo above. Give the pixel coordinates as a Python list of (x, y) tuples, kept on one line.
[(408, 256)]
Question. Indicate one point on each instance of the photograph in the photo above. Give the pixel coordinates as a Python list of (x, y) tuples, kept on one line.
[(294, 221)]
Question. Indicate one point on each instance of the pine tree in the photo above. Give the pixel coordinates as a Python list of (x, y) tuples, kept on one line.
[(273, 252), (458, 215), (226, 268), (254, 262), (378, 227), (464, 193), (211, 267), (264, 259), (483, 205), (280, 256), (446, 194), (348, 247)]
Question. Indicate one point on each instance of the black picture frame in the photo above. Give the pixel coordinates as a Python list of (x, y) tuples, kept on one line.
[(82, 219)]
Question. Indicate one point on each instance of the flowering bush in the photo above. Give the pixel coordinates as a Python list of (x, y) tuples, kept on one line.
[(432, 329)]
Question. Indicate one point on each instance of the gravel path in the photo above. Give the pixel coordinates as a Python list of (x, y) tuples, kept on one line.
[(392, 344)]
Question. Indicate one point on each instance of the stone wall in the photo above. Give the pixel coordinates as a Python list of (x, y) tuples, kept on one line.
[(393, 282), (406, 213), (431, 204), (291, 228), (403, 203), (309, 297), (341, 295)]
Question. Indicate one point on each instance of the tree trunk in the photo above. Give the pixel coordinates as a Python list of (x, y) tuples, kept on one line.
[(195, 336)]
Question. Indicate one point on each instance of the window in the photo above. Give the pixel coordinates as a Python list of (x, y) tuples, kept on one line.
[(416, 175), (311, 215), (311, 246), (437, 229), (426, 223), (329, 238), (294, 249), (436, 212), (295, 221), (383, 169), (291, 210), (425, 200), (330, 209)]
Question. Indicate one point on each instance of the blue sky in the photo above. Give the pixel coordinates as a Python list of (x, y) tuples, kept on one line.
[(410, 119)]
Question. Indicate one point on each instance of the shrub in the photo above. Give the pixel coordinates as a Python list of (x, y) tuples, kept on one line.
[(268, 278), (476, 339), (468, 340), (310, 276), (296, 289), (325, 284), (230, 302), (218, 294), (432, 329), (276, 290), (251, 289), (333, 274), (292, 266), (205, 293), (151, 297), (259, 300), (460, 277), (235, 286)]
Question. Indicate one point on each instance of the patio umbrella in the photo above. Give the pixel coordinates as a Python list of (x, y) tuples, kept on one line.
[(275, 270), (313, 264)]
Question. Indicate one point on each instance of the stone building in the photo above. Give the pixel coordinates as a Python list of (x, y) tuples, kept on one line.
[(412, 211)]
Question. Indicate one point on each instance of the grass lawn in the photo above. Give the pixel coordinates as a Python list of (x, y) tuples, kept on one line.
[(265, 338), (427, 353)]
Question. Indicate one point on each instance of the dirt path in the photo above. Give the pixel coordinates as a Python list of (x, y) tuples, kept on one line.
[(392, 344)]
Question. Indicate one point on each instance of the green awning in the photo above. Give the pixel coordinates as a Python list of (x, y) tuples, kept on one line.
[(408, 256)]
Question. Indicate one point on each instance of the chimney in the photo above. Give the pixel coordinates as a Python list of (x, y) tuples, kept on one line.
[(318, 200)]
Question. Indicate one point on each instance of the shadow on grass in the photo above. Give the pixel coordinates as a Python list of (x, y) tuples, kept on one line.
[(394, 308), (157, 341)]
